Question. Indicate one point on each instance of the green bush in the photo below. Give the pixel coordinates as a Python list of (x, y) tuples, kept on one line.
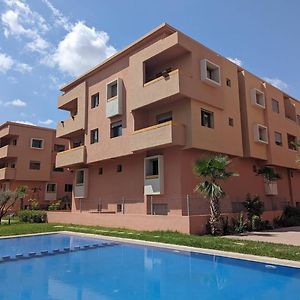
[(240, 225), (33, 204), (254, 206), (55, 205), (32, 216), (256, 223), (290, 217)]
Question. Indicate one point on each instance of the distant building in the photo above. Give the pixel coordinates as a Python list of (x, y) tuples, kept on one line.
[(27, 157)]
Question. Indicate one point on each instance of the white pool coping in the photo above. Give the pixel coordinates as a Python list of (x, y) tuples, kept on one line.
[(241, 256)]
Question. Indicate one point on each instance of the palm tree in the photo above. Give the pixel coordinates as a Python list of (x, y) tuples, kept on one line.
[(212, 170)]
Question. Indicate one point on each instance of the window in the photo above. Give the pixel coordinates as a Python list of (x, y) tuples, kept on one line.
[(34, 165), (37, 143), (278, 138), (100, 171), (51, 188), (298, 120), (261, 133), (14, 142), (59, 148), (230, 122), (94, 136), (152, 168), (159, 208), (95, 100), (165, 117), (119, 207), (275, 106), (228, 82), (116, 129), (291, 142), (119, 168), (258, 98), (13, 165), (80, 177), (210, 72), (207, 118), (57, 169), (68, 188), (112, 89)]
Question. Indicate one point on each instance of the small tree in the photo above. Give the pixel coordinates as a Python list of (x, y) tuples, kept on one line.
[(8, 199), (255, 208), (268, 174), (212, 170)]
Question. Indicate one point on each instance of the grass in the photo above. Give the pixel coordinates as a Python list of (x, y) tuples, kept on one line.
[(208, 242)]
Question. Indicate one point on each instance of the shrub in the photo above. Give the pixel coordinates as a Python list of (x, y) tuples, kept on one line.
[(240, 225), (254, 206), (256, 223), (33, 204), (32, 216), (55, 205), (290, 217)]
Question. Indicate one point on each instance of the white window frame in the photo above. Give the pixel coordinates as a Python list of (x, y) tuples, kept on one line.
[(204, 64), (256, 134), (254, 99), (51, 192), (277, 142), (31, 140), (77, 171)]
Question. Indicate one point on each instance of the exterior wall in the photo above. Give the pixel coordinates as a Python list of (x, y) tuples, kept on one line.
[(162, 73), (21, 154)]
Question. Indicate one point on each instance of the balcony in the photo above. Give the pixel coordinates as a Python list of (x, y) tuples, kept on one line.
[(71, 157), (166, 86), (8, 151), (7, 174), (161, 135), (70, 126)]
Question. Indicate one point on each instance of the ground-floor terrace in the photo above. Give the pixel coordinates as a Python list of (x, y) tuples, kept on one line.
[(155, 190)]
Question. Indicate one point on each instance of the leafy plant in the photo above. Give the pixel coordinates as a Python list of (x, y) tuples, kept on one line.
[(8, 199), (55, 205), (269, 174), (290, 217), (254, 206), (256, 223), (33, 204), (240, 224), (32, 216), (212, 170)]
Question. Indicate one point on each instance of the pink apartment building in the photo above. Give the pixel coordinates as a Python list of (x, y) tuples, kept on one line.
[(140, 120), (27, 157)]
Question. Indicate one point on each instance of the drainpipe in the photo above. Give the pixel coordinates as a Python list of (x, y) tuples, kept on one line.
[(290, 172)]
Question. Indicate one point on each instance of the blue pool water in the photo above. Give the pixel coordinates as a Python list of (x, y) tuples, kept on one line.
[(124, 271)]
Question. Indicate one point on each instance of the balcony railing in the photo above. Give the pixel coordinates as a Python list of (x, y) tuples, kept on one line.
[(160, 135), (70, 126), (8, 151), (71, 157), (7, 173)]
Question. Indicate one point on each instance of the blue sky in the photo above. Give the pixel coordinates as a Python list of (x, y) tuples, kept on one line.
[(46, 43)]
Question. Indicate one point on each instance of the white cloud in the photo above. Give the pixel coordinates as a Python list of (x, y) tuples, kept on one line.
[(235, 60), (24, 122), (277, 83), (20, 21), (60, 19), (46, 122), (15, 103), (6, 62), (82, 48)]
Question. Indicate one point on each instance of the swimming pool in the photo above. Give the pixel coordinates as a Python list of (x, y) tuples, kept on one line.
[(128, 271)]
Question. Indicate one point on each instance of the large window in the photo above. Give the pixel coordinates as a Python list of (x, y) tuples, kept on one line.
[(207, 118), (94, 136), (292, 142), (51, 187), (261, 133), (34, 165), (59, 148), (112, 89), (275, 106), (95, 100), (37, 143), (278, 138), (152, 167), (210, 72), (68, 188), (116, 129), (258, 98), (79, 177)]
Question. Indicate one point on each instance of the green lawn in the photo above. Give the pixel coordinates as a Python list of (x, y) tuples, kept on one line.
[(209, 242)]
